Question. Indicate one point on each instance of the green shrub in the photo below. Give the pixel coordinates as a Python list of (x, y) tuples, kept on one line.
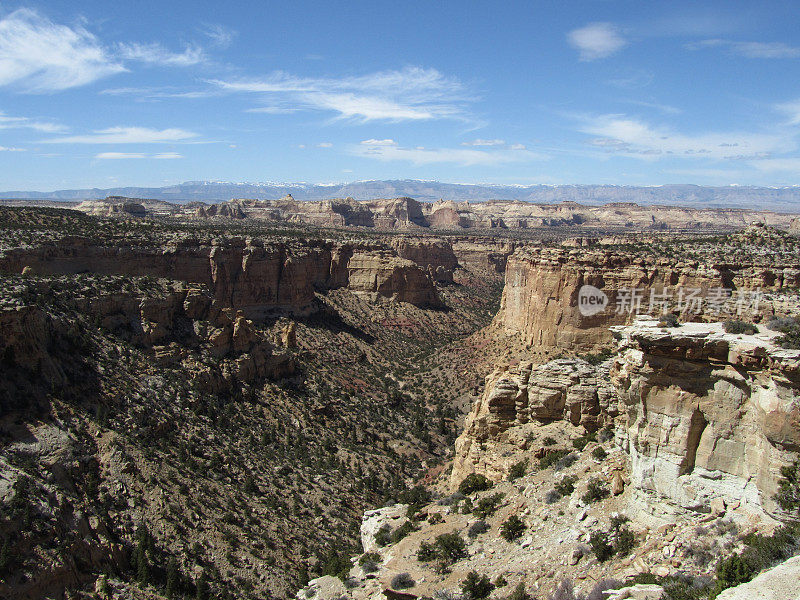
[(668, 320), (600, 453), (383, 537), (512, 528), (601, 545), (596, 490), (476, 587), (788, 496), (369, 557), (548, 441), (739, 327), (427, 552), (474, 483), (519, 593), (518, 470), (402, 581), (566, 485), (450, 547), (477, 528), (552, 457), (488, 506), (402, 531), (579, 443)]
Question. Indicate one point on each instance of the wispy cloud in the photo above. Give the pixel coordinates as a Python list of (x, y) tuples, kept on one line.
[(325, 145), (7, 149), (126, 135), (7, 122), (480, 142), (596, 40), (410, 94), (220, 36), (41, 56), (389, 151), (156, 54), (791, 110), (136, 155), (750, 49), (624, 135), (773, 165)]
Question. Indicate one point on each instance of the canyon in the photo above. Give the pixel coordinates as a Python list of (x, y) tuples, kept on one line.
[(220, 392)]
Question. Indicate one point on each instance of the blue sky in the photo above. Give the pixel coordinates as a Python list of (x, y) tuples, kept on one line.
[(640, 93)]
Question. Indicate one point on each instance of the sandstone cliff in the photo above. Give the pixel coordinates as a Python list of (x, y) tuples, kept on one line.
[(709, 415)]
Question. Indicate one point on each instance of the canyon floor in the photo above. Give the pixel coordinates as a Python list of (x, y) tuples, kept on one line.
[(206, 406)]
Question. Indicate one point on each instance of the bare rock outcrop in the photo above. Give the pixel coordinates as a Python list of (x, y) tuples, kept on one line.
[(568, 390), (710, 415)]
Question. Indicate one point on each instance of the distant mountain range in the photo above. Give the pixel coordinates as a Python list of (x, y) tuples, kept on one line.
[(785, 199)]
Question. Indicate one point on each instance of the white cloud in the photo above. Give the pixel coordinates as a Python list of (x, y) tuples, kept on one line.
[(623, 135), (7, 122), (480, 142), (136, 155), (7, 149), (273, 110), (220, 35), (324, 145), (770, 165), (517, 147), (119, 155), (791, 110), (751, 49), (596, 40), (156, 54), (410, 94), (389, 151), (126, 135), (41, 56)]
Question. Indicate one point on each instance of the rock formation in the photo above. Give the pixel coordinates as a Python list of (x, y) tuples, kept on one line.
[(710, 415)]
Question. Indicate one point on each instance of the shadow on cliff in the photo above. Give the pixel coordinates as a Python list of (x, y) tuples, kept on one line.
[(327, 318)]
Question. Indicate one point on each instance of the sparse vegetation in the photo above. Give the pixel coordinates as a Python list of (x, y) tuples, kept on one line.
[(512, 528), (476, 587), (518, 470), (474, 483), (402, 581), (596, 490), (739, 327)]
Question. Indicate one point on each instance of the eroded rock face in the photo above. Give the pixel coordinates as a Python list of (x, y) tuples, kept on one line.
[(709, 415), (571, 390), (251, 275), (541, 294)]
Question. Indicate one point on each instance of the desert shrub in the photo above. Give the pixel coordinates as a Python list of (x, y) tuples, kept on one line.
[(788, 496), (451, 499), (606, 434), (488, 506), (402, 581), (566, 485), (402, 531), (476, 587), (519, 593), (596, 359), (477, 528), (739, 327), (625, 541), (518, 470), (335, 564), (579, 443), (551, 457), (435, 518), (450, 547), (427, 552), (369, 557), (596, 490), (466, 506), (668, 320), (552, 496), (474, 483), (783, 324), (383, 537), (512, 528), (601, 545), (599, 453), (500, 581), (548, 441), (565, 461)]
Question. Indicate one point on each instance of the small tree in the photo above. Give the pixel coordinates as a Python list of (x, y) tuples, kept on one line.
[(476, 587), (512, 528), (474, 483)]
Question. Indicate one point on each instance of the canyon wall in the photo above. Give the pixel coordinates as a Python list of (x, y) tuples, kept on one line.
[(541, 294), (709, 415), (251, 275)]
